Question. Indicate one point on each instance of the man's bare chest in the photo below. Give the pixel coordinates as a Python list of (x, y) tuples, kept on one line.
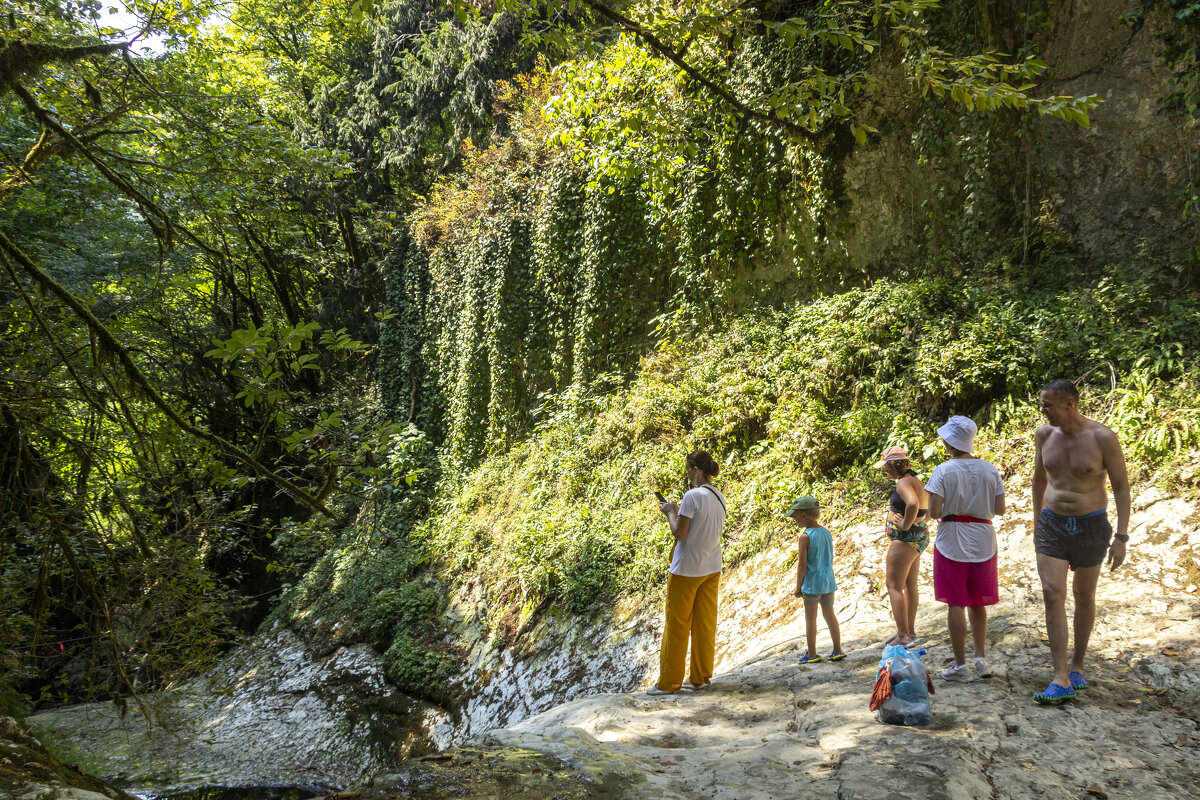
[(1076, 458)]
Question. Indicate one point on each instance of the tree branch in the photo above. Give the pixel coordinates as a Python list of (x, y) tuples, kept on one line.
[(22, 59), (110, 344), (675, 58)]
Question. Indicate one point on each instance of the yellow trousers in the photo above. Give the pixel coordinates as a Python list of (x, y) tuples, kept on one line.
[(691, 609)]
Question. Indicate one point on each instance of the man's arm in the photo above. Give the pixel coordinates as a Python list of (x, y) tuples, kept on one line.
[(1040, 478), (801, 562), (1118, 476)]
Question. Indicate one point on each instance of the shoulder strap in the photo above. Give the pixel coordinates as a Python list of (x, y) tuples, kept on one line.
[(713, 492)]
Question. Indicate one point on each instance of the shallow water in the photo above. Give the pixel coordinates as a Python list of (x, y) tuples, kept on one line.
[(236, 793), (497, 774), (464, 772)]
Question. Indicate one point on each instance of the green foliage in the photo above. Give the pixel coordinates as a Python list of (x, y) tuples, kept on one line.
[(703, 41), (359, 581), (172, 195), (629, 205), (403, 621), (419, 671), (802, 401), (400, 609), (1158, 421), (584, 269)]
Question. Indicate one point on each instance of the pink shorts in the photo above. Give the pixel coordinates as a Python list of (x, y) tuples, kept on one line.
[(965, 583)]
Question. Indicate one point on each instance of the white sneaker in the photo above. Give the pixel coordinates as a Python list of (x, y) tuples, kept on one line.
[(653, 690), (982, 669), (956, 674), (693, 687)]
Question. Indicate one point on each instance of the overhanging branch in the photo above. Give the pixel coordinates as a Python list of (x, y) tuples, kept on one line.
[(135, 375), (22, 59), (667, 52)]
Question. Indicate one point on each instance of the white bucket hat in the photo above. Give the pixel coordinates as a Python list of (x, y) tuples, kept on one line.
[(959, 432)]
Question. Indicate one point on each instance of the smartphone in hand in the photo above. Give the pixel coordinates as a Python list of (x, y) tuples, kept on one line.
[(660, 497)]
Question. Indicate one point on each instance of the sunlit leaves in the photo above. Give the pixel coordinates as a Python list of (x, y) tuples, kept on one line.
[(984, 82), (841, 38), (271, 358)]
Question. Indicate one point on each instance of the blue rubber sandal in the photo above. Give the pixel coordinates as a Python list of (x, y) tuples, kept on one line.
[(1054, 695), (807, 659), (1077, 680), (836, 656)]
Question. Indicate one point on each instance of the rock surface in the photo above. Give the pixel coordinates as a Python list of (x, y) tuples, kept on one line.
[(269, 715), (28, 772), (558, 719), (1106, 185), (772, 728)]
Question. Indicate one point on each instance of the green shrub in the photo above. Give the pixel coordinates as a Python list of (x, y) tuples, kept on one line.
[(407, 608), (417, 670), (802, 403)]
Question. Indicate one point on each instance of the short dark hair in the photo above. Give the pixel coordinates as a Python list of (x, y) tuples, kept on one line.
[(703, 460), (1061, 386)]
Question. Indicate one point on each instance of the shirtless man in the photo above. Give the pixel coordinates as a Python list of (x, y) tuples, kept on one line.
[(1072, 532)]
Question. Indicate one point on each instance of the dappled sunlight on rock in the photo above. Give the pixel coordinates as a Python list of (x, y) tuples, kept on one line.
[(770, 727), (270, 714), (559, 718)]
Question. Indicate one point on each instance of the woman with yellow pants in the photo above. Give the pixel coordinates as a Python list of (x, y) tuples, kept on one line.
[(695, 574)]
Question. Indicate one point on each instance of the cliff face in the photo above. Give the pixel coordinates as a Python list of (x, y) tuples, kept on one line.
[(1111, 187)]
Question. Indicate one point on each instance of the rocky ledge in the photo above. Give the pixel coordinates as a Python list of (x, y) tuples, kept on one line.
[(28, 772)]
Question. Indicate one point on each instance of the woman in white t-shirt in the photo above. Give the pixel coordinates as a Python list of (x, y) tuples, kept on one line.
[(695, 574), (964, 494)]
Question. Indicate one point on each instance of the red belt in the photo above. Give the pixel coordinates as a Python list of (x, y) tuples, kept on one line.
[(963, 518)]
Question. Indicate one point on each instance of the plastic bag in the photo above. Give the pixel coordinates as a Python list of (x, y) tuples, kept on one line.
[(909, 702)]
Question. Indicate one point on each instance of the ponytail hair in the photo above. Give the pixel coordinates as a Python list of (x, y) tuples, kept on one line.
[(704, 460)]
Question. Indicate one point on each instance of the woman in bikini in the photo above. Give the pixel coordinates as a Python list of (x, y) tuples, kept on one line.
[(907, 527)]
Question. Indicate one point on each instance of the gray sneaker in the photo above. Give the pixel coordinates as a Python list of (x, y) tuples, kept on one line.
[(982, 669), (693, 687), (956, 674)]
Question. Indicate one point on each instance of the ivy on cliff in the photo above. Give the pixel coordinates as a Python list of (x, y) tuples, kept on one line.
[(682, 171)]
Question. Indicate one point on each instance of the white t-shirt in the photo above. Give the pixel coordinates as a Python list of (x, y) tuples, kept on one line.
[(700, 553), (968, 487)]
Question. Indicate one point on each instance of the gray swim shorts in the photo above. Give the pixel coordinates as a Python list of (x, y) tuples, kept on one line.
[(1080, 541)]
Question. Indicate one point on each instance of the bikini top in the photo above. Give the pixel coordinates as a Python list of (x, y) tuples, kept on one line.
[(897, 504)]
